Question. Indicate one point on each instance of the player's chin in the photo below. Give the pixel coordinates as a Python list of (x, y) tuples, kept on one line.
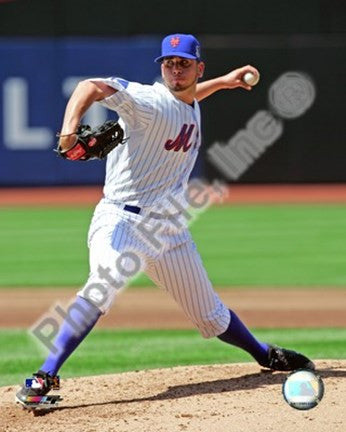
[(179, 86)]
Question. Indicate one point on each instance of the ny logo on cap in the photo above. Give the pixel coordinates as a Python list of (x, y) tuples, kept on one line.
[(175, 41)]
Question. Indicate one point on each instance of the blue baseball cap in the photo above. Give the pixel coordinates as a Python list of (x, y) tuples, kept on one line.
[(180, 45)]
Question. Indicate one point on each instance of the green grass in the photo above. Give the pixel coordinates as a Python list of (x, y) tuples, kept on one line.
[(281, 245), (274, 245), (109, 351), (43, 246)]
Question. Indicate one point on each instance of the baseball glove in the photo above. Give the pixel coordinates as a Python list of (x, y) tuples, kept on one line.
[(93, 143)]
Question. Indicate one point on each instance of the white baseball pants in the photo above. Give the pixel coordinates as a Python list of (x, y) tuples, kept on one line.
[(120, 247)]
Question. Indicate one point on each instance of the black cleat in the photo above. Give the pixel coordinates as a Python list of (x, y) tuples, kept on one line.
[(282, 359), (33, 392)]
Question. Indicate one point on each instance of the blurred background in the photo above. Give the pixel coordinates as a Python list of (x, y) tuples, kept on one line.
[(46, 46)]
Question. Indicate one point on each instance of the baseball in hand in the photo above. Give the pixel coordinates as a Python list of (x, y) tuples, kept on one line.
[(250, 78)]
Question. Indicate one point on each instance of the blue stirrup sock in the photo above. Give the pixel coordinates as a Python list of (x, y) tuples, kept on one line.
[(237, 334), (82, 316)]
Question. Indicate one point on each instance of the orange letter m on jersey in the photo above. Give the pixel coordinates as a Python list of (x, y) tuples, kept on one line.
[(182, 139)]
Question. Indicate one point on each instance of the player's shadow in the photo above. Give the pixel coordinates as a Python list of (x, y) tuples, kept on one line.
[(244, 382)]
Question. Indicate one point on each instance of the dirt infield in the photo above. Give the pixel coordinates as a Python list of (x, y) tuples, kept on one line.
[(237, 194), (218, 398), (153, 308)]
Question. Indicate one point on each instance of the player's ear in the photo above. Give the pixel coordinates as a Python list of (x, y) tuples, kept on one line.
[(162, 70), (200, 69)]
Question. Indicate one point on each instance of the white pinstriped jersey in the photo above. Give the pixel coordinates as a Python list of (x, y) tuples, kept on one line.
[(153, 166), (164, 138)]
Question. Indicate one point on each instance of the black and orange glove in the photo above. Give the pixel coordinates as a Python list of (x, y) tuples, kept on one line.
[(94, 143)]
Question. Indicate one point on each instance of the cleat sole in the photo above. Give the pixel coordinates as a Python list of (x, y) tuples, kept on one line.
[(39, 402)]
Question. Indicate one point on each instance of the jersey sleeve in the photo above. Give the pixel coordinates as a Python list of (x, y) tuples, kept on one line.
[(133, 101)]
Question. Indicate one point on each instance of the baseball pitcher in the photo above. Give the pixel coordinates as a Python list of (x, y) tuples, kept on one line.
[(140, 223)]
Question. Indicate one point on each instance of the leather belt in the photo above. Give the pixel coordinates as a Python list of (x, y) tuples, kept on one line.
[(132, 209), (137, 210)]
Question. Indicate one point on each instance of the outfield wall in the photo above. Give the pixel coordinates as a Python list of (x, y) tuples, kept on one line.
[(36, 82), (44, 51)]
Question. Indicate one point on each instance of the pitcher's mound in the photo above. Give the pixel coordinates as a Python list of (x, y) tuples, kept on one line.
[(218, 398)]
